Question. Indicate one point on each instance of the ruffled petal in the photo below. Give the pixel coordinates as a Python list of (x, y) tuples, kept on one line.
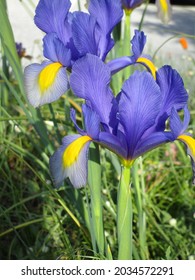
[(54, 50), (139, 105), (50, 16), (173, 93), (90, 80), (71, 161), (164, 10), (45, 83)]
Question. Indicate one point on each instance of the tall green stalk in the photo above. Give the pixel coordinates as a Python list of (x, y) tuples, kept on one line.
[(125, 216), (96, 209), (127, 39), (139, 187)]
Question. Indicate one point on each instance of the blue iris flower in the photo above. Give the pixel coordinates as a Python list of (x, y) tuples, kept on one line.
[(69, 36), (130, 124)]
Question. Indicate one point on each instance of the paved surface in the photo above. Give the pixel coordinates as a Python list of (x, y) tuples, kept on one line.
[(183, 20)]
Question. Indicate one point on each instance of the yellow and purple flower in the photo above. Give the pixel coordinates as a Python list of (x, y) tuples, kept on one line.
[(129, 125), (69, 36)]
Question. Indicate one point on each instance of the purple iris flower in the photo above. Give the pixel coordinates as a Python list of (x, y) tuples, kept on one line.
[(69, 36), (130, 124), (131, 4)]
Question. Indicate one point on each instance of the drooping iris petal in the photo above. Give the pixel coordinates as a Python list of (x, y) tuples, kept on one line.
[(90, 80), (45, 83), (50, 16), (70, 161), (107, 14), (173, 93), (83, 26), (138, 107), (55, 50), (164, 10)]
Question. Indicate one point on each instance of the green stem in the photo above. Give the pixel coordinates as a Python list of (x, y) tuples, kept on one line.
[(125, 216), (140, 202), (127, 38), (94, 178)]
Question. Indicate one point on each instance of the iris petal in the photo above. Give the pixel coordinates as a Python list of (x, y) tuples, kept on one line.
[(190, 143), (138, 107), (50, 16), (83, 30), (90, 80), (107, 14), (177, 126), (173, 93), (45, 83), (70, 161), (55, 50)]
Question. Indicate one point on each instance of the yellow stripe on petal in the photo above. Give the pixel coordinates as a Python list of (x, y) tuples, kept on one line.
[(190, 142), (164, 6), (47, 75), (72, 152), (149, 64)]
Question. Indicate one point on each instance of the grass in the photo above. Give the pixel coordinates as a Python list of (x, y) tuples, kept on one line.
[(40, 222)]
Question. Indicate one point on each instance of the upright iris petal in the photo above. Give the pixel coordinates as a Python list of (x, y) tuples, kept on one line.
[(50, 16), (107, 14), (92, 84)]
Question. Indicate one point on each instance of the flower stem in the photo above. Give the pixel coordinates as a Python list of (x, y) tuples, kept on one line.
[(139, 187), (127, 38), (94, 178), (124, 216)]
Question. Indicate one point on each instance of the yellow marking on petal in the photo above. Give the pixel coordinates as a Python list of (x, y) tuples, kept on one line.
[(190, 142), (164, 6), (47, 75), (72, 152), (149, 64)]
